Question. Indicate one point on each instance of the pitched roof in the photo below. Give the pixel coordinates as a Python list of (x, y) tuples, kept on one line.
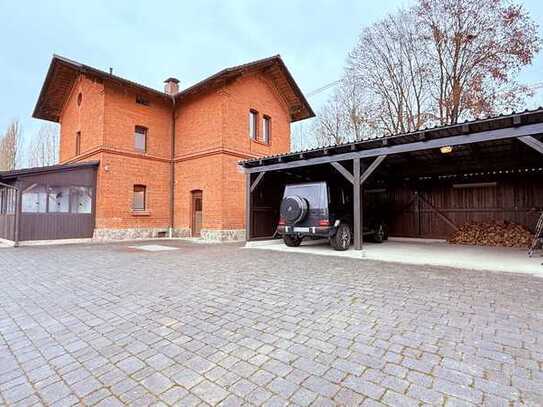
[(63, 73), (299, 107)]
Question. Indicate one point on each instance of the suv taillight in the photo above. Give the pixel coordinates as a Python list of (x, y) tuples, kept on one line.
[(324, 222)]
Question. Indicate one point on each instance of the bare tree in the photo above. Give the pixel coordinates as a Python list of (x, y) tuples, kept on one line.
[(390, 63), (10, 146), (347, 116), (437, 62), (44, 149), (331, 124), (477, 48)]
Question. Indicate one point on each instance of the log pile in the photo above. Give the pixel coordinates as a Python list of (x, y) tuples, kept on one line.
[(502, 234)]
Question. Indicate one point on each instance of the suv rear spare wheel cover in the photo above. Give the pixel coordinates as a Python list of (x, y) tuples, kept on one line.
[(294, 209)]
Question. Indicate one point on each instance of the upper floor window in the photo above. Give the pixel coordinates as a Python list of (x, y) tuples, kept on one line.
[(140, 138), (253, 124), (266, 129), (78, 143), (141, 100), (138, 203)]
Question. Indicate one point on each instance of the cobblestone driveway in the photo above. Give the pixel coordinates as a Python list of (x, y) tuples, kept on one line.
[(106, 325)]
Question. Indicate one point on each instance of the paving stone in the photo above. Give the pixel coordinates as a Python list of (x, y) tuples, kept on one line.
[(17, 393), (54, 392), (242, 388), (425, 395), (131, 365), (86, 386), (282, 387), (258, 396), (173, 395), (364, 387), (157, 383), (458, 390), (320, 386), (395, 399), (209, 392), (187, 378)]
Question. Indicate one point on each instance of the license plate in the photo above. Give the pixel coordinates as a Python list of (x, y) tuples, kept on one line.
[(301, 229)]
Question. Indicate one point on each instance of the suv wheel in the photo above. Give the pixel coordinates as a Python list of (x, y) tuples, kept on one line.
[(292, 240), (342, 239)]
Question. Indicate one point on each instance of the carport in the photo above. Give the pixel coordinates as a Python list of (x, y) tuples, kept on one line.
[(428, 182)]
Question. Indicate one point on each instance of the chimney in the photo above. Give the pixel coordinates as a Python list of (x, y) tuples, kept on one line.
[(171, 86)]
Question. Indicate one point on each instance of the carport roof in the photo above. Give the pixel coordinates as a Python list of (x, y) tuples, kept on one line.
[(495, 128), (6, 175)]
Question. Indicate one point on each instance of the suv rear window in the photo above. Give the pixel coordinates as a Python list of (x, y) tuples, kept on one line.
[(313, 194)]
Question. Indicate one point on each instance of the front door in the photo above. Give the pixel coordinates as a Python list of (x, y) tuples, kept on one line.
[(196, 213)]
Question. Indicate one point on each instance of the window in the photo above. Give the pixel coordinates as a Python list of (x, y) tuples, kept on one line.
[(140, 138), (139, 198), (59, 199), (266, 129), (81, 200), (8, 199), (253, 124), (141, 100), (35, 199), (78, 143), (79, 99)]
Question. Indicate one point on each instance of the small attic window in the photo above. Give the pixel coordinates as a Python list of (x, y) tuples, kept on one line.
[(141, 100), (79, 99)]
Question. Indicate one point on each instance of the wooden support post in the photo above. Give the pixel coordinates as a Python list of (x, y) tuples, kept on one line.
[(18, 211), (248, 207), (357, 205)]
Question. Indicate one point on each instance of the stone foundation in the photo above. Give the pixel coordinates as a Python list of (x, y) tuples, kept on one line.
[(223, 235), (138, 233), (212, 235)]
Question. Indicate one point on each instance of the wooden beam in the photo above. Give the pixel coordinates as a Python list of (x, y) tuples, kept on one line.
[(532, 142), (372, 168), (248, 208), (343, 171), (357, 205), (257, 180), (489, 135)]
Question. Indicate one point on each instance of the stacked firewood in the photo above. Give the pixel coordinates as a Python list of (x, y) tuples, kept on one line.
[(503, 234)]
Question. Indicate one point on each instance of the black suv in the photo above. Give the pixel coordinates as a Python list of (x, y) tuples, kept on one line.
[(320, 210)]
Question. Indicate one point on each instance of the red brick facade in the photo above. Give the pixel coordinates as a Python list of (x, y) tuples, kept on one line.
[(211, 136)]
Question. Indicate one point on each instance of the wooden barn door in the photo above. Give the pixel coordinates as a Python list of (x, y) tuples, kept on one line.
[(196, 206)]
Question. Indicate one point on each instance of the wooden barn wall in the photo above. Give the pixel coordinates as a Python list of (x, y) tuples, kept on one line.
[(518, 200), (7, 226)]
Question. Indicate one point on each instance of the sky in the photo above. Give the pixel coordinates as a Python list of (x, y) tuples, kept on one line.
[(149, 41)]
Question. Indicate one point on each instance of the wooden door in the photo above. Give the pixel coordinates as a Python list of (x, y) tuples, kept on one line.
[(196, 213)]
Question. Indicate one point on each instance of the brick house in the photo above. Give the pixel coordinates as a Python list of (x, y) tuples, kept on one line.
[(168, 160)]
